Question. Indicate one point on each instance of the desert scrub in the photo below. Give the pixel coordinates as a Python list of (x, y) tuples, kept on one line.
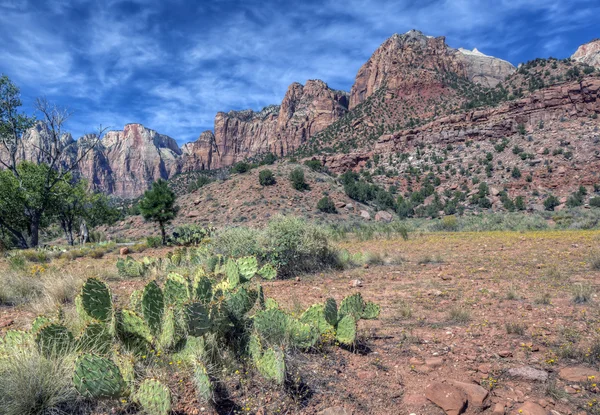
[(582, 293), (515, 328), (594, 260), (326, 205), (266, 178), (297, 180), (459, 315), (32, 384), (18, 288)]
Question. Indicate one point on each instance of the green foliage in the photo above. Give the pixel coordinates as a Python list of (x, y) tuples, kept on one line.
[(95, 338), (269, 158), (271, 366), (54, 340), (199, 183), (176, 290), (241, 167), (266, 178), (158, 205), (96, 299), (153, 241), (98, 377), (153, 305), (190, 234), (196, 318), (297, 180), (326, 205), (203, 384), (154, 397), (551, 202), (516, 173), (346, 330), (268, 272), (314, 165), (130, 268)]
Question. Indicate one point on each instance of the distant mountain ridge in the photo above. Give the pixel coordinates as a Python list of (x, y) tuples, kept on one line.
[(411, 79)]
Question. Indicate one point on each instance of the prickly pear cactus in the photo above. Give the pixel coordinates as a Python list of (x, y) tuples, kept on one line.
[(302, 335), (196, 318), (204, 385), (154, 397), (330, 312), (131, 324), (38, 323), (95, 338), (233, 273), (271, 366), (153, 306), (271, 304), (168, 332), (54, 340), (315, 316), (371, 311), (97, 377), (125, 363), (135, 301), (176, 290), (352, 305), (96, 299), (240, 302), (268, 272), (272, 325), (346, 330), (203, 289), (15, 340), (254, 347), (248, 267)]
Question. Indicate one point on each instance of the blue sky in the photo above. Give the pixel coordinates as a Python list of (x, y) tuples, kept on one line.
[(172, 65)]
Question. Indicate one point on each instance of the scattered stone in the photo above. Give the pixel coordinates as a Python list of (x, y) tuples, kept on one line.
[(530, 408), (124, 251), (340, 205), (365, 215), (383, 216), (528, 373), (6, 322), (434, 362), (505, 353), (498, 409), (356, 283), (578, 374), (475, 393), (335, 410), (451, 399), (193, 214)]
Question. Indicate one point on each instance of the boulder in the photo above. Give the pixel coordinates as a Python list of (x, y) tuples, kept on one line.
[(365, 215), (579, 374), (450, 398), (475, 393), (383, 216), (530, 408), (528, 373), (124, 251)]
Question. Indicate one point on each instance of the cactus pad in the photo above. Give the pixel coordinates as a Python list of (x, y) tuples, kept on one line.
[(371, 311), (302, 336), (167, 337), (196, 318), (330, 311), (268, 272), (95, 338), (96, 299), (97, 377), (248, 267), (352, 305), (154, 397), (315, 316), (346, 330), (233, 273), (54, 340), (153, 306), (204, 385), (272, 325), (135, 301), (38, 323), (271, 366), (203, 289), (176, 290)]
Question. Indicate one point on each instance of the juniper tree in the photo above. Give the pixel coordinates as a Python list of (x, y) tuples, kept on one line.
[(158, 205)]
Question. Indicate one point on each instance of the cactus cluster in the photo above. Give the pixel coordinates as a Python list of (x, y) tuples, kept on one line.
[(130, 268), (186, 318)]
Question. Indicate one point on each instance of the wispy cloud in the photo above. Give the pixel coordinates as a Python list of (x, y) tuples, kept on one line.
[(174, 65)]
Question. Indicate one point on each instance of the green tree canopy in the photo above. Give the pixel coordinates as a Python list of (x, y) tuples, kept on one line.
[(158, 205)]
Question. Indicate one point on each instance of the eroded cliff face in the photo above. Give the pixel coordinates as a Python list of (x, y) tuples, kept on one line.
[(414, 61), (280, 129), (588, 53)]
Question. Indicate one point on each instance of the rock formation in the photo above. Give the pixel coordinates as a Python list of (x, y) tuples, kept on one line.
[(588, 53), (485, 70)]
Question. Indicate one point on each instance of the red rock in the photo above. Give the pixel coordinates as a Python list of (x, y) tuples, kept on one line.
[(475, 393), (383, 216), (498, 409), (6, 322), (434, 362), (451, 399), (124, 251), (579, 374), (530, 408)]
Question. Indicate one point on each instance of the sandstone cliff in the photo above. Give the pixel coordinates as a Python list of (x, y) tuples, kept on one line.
[(588, 53)]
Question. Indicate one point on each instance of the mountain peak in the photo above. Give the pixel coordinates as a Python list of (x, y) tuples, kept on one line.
[(588, 53)]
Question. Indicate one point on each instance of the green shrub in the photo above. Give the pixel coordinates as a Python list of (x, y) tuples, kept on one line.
[(516, 173), (520, 203), (314, 165), (326, 205), (266, 178), (237, 242), (153, 241), (240, 167), (551, 202), (269, 158), (200, 182), (595, 202), (190, 234), (297, 179)]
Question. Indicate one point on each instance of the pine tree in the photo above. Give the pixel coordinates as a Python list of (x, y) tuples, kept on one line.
[(158, 205)]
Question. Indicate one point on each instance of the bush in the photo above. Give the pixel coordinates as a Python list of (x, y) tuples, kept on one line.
[(326, 205), (516, 173), (153, 241), (297, 179), (595, 202), (297, 246), (520, 203), (314, 165), (266, 178), (449, 223), (551, 202), (240, 167), (200, 182), (237, 242), (34, 385), (190, 234), (269, 158)]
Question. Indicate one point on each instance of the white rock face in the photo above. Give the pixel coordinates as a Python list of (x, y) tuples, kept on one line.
[(588, 53)]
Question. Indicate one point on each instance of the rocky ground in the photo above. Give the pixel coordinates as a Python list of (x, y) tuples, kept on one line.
[(470, 323)]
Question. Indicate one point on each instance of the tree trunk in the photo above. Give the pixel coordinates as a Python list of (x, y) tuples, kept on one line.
[(34, 230), (83, 231), (163, 233)]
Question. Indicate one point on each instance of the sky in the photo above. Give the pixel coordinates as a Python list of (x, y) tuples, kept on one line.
[(172, 65)]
